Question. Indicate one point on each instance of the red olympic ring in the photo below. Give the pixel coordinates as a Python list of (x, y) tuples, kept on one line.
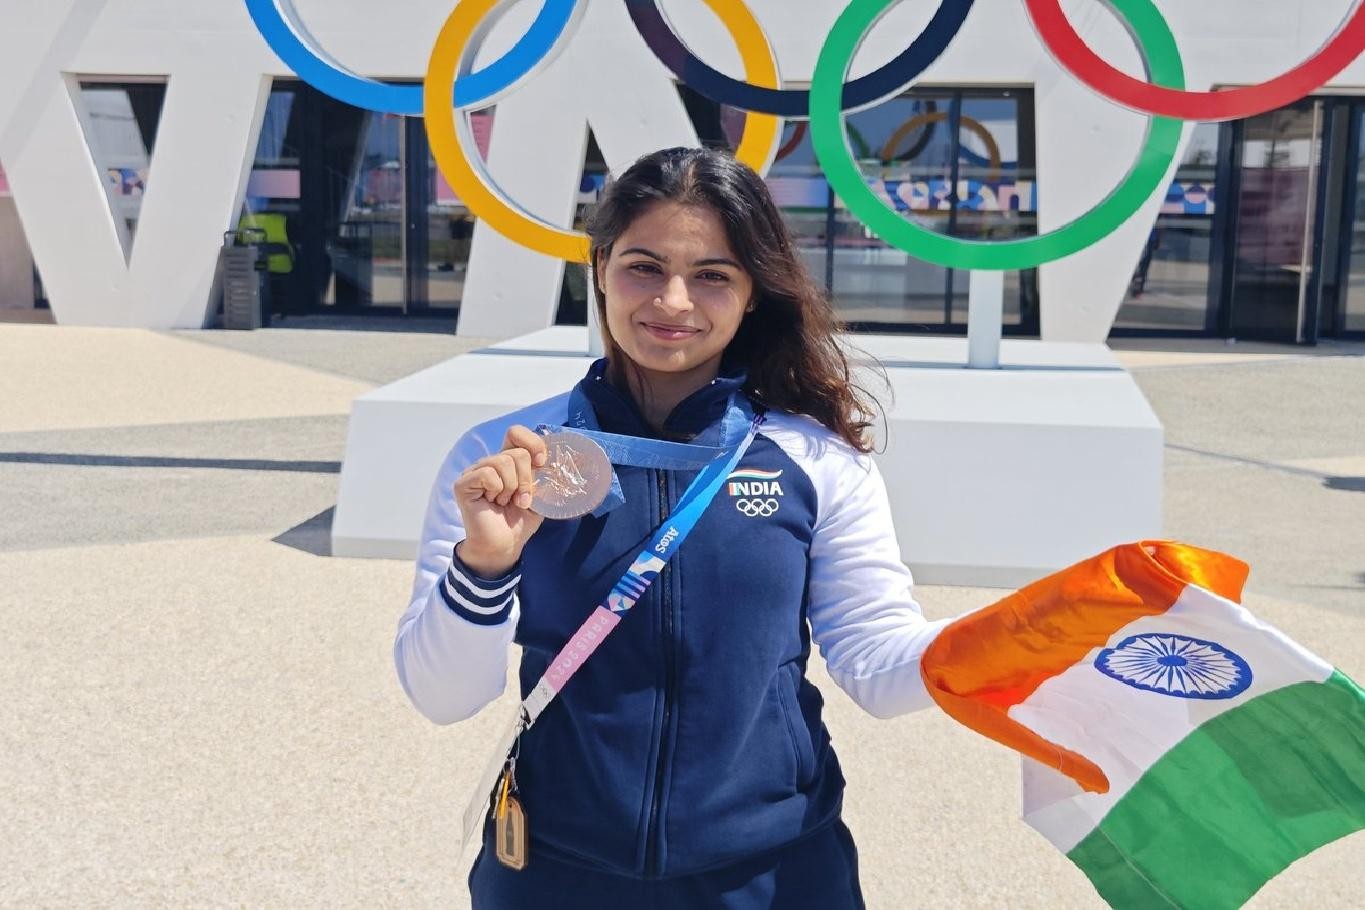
[(1071, 51), (791, 145), (799, 133)]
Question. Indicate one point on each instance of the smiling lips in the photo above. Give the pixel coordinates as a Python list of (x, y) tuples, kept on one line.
[(666, 332)]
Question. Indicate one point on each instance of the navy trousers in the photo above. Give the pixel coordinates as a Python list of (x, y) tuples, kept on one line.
[(817, 872)]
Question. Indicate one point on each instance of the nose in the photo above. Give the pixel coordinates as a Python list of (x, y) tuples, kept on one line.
[(674, 298)]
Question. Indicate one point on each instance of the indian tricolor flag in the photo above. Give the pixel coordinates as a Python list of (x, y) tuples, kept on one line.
[(1178, 750)]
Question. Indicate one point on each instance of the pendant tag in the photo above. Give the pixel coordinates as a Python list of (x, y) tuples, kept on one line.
[(509, 834)]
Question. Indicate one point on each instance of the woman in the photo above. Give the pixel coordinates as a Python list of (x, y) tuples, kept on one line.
[(686, 764)]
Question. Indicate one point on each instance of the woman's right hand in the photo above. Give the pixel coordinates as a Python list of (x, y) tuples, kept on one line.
[(494, 498)]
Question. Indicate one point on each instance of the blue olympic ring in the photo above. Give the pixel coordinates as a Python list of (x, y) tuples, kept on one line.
[(279, 24), (795, 103)]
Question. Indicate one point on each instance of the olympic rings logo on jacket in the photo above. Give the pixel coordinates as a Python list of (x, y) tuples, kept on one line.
[(755, 508), (1163, 97)]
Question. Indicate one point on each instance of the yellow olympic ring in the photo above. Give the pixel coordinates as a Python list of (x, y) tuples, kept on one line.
[(971, 123), (757, 145)]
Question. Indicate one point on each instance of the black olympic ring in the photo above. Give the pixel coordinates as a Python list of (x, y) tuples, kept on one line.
[(921, 141), (795, 103), (757, 507)]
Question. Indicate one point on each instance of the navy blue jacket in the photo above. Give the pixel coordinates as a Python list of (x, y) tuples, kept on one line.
[(692, 737)]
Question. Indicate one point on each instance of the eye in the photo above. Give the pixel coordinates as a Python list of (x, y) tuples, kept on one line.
[(714, 276), (643, 268)]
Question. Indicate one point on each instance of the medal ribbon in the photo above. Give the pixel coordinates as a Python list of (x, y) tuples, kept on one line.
[(650, 453), (647, 453)]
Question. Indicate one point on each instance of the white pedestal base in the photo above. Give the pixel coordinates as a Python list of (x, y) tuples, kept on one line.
[(996, 477)]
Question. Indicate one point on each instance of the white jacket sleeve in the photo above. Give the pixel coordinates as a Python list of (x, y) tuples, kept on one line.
[(862, 610), (452, 644)]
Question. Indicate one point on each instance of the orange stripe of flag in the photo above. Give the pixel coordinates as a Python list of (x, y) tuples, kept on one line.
[(996, 657)]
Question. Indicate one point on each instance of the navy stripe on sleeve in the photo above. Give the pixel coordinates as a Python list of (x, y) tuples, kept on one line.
[(484, 601)]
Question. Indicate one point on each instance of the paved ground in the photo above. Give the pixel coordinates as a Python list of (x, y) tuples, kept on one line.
[(200, 708)]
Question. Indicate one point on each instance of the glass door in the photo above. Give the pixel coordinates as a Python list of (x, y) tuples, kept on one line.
[(327, 189), (1278, 154), (1350, 314), (440, 228), (1169, 290), (366, 245)]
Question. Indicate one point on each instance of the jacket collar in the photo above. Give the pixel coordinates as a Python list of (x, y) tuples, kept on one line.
[(697, 415)]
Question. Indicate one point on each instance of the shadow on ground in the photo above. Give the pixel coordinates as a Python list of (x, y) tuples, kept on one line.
[(312, 536)]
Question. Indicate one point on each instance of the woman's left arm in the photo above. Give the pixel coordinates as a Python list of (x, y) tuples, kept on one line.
[(862, 609)]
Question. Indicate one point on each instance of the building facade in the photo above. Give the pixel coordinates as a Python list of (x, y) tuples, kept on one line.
[(134, 133)]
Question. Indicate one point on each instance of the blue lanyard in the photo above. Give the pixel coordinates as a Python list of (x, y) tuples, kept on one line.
[(663, 543), (670, 535), (603, 620)]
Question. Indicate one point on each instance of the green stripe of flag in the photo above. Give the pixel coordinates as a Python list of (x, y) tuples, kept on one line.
[(1236, 802)]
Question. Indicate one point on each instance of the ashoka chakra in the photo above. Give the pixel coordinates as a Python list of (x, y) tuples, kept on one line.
[(1176, 665)]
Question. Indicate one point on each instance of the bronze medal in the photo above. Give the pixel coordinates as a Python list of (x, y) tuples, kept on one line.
[(575, 478)]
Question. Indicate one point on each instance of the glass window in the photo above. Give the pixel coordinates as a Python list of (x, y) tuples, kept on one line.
[(327, 192), (575, 297), (121, 119), (1353, 308), (977, 183), (339, 191), (996, 188), (450, 226), (366, 249), (1170, 287), (274, 181), (1273, 257), (273, 203)]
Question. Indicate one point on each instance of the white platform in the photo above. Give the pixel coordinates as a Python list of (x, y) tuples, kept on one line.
[(996, 477)]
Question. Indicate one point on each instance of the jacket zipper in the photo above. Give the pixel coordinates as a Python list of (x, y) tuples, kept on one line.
[(653, 866)]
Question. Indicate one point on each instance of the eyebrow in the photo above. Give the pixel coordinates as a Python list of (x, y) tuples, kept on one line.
[(717, 260)]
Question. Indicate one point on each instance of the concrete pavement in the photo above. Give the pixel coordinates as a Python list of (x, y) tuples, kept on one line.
[(200, 707)]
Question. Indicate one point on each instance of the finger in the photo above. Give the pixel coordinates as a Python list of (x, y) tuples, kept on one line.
[(525, 475), (481, 481), (520, 437), (507, 470)]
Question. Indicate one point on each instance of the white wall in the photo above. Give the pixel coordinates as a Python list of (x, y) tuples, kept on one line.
[(218, 72)]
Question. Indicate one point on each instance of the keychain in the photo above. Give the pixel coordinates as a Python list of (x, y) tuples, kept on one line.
[(509, 819)]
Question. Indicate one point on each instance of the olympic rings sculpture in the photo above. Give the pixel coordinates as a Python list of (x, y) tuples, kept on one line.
[(830, 98)]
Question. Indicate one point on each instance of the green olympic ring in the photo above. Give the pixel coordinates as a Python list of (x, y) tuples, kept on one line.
[(1162, 59)]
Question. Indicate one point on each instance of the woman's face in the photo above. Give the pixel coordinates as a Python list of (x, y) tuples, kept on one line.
[(675, 291)]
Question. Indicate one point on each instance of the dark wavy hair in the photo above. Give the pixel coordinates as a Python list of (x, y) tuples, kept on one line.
[(790, 344)]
